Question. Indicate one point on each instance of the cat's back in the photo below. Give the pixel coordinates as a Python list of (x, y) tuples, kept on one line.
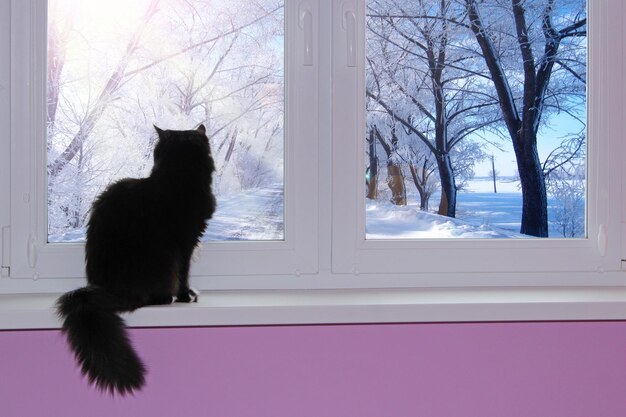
[(122, 207)]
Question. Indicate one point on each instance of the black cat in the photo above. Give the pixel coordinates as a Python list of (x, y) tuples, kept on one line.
[(140, 238)]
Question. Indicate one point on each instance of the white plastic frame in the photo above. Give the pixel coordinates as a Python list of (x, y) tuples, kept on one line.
[(489, 262), (32, 258)]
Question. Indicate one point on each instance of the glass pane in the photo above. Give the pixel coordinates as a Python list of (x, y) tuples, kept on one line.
[(476, 119), (117, 67)]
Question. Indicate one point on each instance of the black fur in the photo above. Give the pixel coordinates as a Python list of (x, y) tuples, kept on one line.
[(140, 238)]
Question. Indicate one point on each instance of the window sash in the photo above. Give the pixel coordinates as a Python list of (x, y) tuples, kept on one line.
[(486, 261), (33, 257)]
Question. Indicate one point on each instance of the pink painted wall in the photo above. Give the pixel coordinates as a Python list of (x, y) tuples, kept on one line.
[(414, 370)]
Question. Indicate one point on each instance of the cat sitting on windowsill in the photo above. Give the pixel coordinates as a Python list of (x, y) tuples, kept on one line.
[(140, 239)]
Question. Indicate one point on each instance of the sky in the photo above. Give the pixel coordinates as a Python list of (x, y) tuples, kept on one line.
[(549, 139)]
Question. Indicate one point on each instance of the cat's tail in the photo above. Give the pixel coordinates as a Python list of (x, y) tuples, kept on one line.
[(98, 337)]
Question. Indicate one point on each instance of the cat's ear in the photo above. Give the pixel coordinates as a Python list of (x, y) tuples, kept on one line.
[(160, 132), (202, 129)]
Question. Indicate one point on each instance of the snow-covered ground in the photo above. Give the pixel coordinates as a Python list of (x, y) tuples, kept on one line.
[(386, 221), (257, 214), (480, 213)]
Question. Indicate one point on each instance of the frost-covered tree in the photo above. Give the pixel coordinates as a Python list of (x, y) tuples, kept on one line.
[(464, 157), (387, 137), (174, 64), (564, 170), (423, 168), (422, 74), (569, 213), (536, 56)]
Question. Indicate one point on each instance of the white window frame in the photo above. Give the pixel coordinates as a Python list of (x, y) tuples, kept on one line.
[(325, 270), (490, 262), (295, 255)]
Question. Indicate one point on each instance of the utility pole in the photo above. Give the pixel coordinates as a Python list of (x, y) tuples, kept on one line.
[(493, 174)]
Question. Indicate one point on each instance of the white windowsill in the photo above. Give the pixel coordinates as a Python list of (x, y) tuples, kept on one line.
[(235, 308)]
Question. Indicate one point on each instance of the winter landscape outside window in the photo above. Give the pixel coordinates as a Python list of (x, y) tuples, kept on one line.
[(476, 119), (116, 68)]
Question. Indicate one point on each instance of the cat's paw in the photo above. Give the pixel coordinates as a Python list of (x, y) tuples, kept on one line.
[(189, 295)]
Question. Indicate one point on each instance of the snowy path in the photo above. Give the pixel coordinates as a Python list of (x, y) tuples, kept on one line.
[(250, 215)]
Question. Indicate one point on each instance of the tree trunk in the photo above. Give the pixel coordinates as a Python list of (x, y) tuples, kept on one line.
[(372, 186), (395, 180), (420, 184), (522, 128), (372, 175), (447, 204), (534, 196), (424, 197)]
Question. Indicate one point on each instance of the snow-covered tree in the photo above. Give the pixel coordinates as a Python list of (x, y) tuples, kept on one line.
[(423, 168), (564, 170), (421, 73), (173, 64), (535, 52)]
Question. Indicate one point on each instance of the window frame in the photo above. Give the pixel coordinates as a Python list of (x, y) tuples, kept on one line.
[(296, 254), (461, 262), (343, 279)]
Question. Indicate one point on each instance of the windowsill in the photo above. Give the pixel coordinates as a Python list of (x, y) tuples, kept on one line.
[(235, 308)]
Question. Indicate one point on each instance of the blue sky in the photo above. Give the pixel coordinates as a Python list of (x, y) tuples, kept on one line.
[(549, 138)]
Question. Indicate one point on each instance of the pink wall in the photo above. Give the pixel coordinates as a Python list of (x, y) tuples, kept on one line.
[(431, 370)]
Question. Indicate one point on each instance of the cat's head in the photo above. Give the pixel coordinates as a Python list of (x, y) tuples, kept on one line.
[(182, 148)]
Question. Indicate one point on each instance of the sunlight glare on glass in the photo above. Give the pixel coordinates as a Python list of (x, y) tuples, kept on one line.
[(117, 68)]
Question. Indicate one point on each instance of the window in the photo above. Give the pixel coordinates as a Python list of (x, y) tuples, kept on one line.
[(441, 262), (97, 94), (325, 260), (451, 114), (111, 76)]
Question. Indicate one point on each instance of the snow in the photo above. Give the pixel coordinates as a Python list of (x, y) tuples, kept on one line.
[(385, 221), (480, 213), (258, 214), (255, 214)]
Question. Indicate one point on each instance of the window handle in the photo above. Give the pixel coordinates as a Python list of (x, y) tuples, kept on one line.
[(31, 251), (602, 240), (305, 22)]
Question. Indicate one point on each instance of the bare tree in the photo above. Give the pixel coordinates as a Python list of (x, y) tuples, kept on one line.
[(371, 179), (540, 90), (104, 99), (423, 168), (220, 68), (564, 170), (422, 75), (395, 176)]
